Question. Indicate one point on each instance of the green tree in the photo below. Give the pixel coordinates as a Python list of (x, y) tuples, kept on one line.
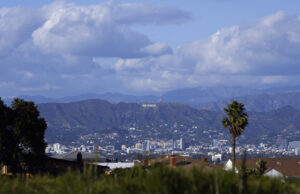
[(22, 144), (9, 151), (236, 120), (261, 166)]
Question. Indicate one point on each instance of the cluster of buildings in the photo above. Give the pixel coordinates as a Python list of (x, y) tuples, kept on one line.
[(155, 146), (57, 148), (218, 151), (139, 147), (217, 154)]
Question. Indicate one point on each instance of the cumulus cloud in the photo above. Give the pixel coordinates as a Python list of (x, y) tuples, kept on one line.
[(266, 47), (62, 46), (16, 26), (261, 52), (99, 30), (37, 45), (156, 49), (87, 31), (104, 30)]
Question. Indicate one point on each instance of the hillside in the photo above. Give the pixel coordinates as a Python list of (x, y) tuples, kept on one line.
[(126, 123), (68, 121), (257, 103), (111, 97)]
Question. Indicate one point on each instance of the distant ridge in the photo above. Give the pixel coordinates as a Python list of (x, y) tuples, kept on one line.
[(112, 123), (210, 98), (258, 103), (111, 97)]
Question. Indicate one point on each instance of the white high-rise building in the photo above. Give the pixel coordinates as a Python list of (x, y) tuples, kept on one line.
[(148, 145), (180, 144), (297, 151), (215, 144), (56, 147)]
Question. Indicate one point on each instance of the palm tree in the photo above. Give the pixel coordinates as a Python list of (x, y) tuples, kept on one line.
[(237, 121)]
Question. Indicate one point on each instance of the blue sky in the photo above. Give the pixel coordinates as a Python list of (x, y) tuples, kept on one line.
[(60, 48)]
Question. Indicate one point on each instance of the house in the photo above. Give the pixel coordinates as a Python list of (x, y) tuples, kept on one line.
[(228, 166), (273, 173), (275, 167), (186, 162), (115, 165)]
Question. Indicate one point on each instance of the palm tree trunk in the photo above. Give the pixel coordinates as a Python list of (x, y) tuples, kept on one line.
[(233, 153)]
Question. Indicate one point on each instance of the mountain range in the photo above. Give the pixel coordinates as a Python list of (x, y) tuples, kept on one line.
[(194, 114), (127, 123), (112, 97), (258, 102), (210, 98)]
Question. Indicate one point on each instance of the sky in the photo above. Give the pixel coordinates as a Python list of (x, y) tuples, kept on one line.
[(61, 48)]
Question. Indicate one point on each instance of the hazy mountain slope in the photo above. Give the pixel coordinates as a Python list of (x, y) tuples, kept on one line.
[(284, 121), (73, 121), (208, 97), (258, 103), (100, 114), (202, 94), (111, 97), (69, 121)]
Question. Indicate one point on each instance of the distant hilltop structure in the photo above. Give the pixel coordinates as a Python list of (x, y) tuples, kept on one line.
[(149, 105)]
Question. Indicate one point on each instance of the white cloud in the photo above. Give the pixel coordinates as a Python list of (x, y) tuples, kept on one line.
[(87, 31), (129, 64), (62, 45), (104, 30), (156, 49), (47, 48), (16, 26), (262, 52), (99, 30)]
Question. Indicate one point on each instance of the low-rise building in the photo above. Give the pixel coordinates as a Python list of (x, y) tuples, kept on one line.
[(274, 167)]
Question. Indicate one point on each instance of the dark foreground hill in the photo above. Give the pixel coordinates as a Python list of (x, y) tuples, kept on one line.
[(99, 121)]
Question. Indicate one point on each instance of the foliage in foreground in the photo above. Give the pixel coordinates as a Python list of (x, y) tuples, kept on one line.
[(159, 179), (22, 144)]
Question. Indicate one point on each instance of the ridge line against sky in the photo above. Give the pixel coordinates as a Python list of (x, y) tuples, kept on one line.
[(66, 48)]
